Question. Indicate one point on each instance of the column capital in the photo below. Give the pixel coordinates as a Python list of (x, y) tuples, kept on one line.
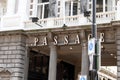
[(83, 37)]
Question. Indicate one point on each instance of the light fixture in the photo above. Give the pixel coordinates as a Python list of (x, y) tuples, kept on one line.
[(64, 26), (111, 54), (71, 48), (35, 20), (87, 13)]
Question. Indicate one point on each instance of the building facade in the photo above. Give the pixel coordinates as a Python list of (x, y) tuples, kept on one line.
[(55, 48)]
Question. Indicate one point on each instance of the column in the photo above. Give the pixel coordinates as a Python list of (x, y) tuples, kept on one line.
[(104, 5), (85, 62), (10, 7), (52, 62), (26, 63), (85, 59)]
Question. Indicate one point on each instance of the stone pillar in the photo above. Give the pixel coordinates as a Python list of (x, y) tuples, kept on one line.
[(118, 52), (85, 59), (104, 5), (53, 62), (10, 7), (26, 63), (85, 62), (12, 54)]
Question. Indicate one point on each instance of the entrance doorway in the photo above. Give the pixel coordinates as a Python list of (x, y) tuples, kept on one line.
[(39, 67), (65, 71)]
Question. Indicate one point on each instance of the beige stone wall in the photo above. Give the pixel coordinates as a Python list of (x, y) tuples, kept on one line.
[(12, 54), (118, 53)]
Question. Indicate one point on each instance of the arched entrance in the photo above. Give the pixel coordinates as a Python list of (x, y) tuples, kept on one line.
[(39, 67)]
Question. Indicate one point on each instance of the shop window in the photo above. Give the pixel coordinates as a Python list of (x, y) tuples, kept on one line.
[(70, 8)]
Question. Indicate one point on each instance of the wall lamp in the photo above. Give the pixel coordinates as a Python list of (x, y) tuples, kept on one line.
[(87, 14), (35, 20)]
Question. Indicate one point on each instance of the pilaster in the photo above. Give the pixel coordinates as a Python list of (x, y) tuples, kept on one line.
[(85, 59), (12, 54), (53, 58), (118, 52)]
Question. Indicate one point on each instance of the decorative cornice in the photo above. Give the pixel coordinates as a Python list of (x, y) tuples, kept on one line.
[(13, 32)]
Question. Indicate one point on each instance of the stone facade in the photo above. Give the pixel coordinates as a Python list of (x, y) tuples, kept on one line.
[(12, 55), (118, 53), (13, 49)]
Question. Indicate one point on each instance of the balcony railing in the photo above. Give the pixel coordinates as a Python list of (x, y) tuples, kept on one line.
[(78, 20)]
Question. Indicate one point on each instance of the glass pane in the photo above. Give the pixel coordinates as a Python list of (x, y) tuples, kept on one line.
[(67, 8), (39, 1), (45, 0), (39, 11), (74, 8), (99, 5), (46, 11)]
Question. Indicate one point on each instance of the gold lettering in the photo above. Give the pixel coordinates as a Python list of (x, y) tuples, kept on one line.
[(45, 41), (36, 40), (55, 40), (89, 36), (102, 37), (66, 39), (77, 40)]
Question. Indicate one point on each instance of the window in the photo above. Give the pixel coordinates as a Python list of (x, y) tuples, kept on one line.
[(99, 6), (3, 7), (70, 8), (39, 8)]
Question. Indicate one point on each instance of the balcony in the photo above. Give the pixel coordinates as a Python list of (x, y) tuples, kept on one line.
[(77, 20), (68, 14)]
